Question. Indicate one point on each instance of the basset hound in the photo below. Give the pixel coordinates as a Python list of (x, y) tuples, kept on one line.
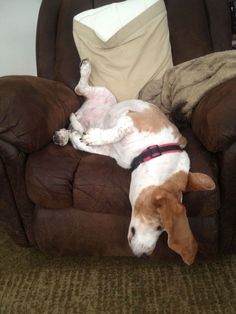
[(140, 137)]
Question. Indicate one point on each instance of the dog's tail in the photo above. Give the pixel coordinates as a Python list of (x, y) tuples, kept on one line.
[(178, 118)]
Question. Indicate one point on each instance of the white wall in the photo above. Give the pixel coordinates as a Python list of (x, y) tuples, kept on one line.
[(18, 20)]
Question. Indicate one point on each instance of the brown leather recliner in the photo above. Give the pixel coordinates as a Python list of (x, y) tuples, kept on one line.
[(65, 201)]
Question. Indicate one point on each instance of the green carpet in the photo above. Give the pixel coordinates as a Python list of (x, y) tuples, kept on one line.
[(31, 282)]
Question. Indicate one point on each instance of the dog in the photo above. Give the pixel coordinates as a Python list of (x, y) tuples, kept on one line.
[(141, 138)]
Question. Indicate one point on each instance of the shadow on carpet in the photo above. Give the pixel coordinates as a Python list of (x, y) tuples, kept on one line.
[(31, 282)]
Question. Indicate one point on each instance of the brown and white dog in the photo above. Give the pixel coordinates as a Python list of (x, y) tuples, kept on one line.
[(139, 136)]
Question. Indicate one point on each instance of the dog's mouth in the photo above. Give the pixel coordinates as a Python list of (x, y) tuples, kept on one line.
[(144, 255), (140, 250)]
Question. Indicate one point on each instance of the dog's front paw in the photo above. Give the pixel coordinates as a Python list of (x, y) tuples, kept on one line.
[(61, 137), (93, 137)]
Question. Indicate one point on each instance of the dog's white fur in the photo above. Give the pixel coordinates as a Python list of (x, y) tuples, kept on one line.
[(103, 126)]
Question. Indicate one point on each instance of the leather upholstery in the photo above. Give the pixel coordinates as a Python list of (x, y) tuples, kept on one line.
[(68, 202)]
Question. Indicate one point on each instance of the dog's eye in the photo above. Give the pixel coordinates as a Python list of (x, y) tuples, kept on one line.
[(133, 231), (159, 228)]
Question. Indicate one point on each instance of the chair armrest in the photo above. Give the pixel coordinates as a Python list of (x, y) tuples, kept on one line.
[(32, 109), (214, 119)]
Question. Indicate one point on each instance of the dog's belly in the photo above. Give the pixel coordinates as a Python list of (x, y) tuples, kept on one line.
[(122, 108), (92, 115)]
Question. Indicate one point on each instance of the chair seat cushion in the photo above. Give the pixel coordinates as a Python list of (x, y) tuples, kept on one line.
[(62, 177)]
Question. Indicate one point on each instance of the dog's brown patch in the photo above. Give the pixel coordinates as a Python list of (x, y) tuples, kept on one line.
[(153, 120), (145, 209), (175, 221), (176, 183)]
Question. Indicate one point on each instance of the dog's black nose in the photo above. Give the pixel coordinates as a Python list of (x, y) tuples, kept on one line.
[(144, 255)]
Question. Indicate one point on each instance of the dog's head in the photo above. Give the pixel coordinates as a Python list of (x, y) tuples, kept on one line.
[(159, 209)]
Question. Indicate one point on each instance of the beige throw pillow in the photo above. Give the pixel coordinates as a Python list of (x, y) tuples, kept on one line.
[(135, 54)]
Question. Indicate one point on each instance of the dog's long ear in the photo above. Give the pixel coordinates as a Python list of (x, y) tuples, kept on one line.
[(199, 182), (175, 222)]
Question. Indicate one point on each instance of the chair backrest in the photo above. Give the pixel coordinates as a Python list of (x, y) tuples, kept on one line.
[(197, 27)]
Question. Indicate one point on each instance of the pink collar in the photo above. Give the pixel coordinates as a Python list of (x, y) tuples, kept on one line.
[(155, 151)]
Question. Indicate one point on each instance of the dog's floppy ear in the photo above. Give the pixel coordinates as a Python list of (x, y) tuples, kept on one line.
[(175, 222), (199, 182)]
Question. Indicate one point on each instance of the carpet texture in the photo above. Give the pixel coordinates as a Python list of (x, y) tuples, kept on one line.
[(31, 282)]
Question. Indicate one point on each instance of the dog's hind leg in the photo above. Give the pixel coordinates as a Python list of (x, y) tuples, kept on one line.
[(96, 136), (97, 93), (83, 87), (76, 142)]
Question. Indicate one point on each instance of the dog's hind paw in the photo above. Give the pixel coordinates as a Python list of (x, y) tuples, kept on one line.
[(85, 67)]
